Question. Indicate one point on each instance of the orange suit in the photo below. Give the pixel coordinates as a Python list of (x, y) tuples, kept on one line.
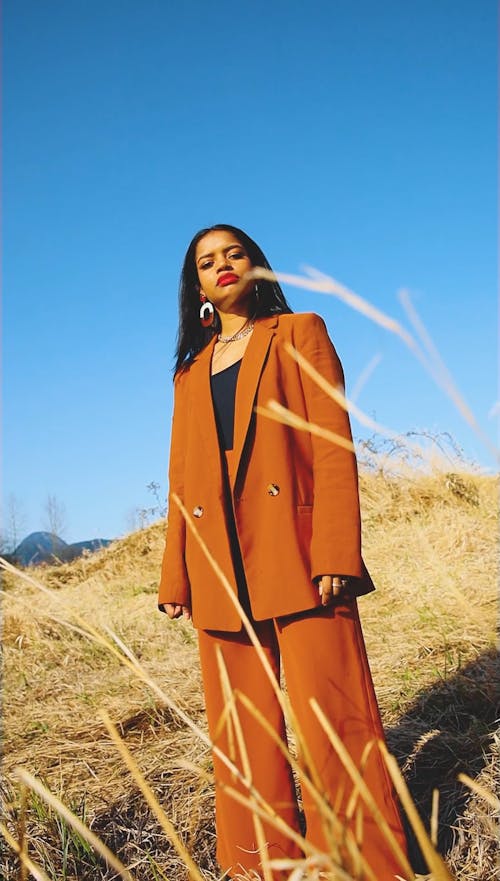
[(294, 499)]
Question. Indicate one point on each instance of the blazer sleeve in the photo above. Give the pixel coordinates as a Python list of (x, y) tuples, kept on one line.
[(174, 583), (336, 521)]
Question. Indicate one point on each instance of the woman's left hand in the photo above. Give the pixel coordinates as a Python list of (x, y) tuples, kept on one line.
[(331, 587)]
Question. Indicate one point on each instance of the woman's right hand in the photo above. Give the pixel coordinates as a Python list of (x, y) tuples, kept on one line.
[(174, 610)]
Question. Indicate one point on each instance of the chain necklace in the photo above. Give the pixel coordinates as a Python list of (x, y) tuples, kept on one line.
[(239, 335)]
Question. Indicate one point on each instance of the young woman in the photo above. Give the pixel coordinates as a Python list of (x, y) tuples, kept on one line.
[(278, 509)]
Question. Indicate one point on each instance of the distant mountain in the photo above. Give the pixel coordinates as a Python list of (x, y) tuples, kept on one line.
[(46, 547), (92, 544)]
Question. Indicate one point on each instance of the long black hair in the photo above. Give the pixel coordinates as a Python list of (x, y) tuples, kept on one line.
[(192, 337)]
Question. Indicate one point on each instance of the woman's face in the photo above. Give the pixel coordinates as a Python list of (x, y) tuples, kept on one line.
[(221, 263)]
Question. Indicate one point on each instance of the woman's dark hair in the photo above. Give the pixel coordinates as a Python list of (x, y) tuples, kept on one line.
[(192, 337)]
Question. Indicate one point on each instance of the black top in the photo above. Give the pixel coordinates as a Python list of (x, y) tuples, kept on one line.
[(223, 395)]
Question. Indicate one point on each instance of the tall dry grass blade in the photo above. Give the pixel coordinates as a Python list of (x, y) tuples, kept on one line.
[(266, 811), (202, 773), (354, 797), (435, 817), (331, 864), (364, 376), (324, 284), (312, 868), (109, 857), (434, 861), (272, 819), (27, 864), (489, 797), (275, 410), (247, 770), (337, 394), (22, 833), (333, 827), (296, 764), (440, 372), (437, 370), (279, 413), (340, 398), (364, 791), (226, 717), (150, 798), (122, 646), (226, 584)]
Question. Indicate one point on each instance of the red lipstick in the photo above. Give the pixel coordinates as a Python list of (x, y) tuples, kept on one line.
[(226, 278)]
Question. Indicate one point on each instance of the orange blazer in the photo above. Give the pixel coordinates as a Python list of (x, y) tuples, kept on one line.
[(294, 495)]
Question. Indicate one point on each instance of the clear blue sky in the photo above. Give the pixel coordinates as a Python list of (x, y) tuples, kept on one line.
[(359, 138)]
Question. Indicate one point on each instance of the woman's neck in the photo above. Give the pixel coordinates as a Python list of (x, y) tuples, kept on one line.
[(232, 322)]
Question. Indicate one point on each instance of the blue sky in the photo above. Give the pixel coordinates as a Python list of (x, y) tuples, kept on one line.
[(358, 138)]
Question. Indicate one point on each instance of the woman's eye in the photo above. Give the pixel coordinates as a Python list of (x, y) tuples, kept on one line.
[(236, 254), (206, 265)]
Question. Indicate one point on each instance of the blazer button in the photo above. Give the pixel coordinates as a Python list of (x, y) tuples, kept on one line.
[(198, 511), (273, 489)]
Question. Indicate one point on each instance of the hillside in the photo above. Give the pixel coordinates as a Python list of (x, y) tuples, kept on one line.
[(430, 543)]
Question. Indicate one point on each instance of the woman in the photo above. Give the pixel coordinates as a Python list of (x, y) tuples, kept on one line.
[(278, 509)]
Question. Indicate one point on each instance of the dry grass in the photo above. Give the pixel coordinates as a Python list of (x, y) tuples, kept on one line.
[(430, 542)]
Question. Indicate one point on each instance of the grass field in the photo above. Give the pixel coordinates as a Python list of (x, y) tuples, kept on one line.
[(430, 542)]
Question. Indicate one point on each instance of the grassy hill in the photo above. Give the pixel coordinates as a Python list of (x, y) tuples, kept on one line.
[(430, 543)]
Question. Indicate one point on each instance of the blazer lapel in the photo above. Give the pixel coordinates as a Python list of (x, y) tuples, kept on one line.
[(246, 389), (248, 380), (201, 401)]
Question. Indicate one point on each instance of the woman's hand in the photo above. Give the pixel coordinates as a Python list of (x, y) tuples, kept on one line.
[(330, 587), (174, 610)]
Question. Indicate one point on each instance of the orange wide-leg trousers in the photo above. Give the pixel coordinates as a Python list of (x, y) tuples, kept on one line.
[(323, 656)]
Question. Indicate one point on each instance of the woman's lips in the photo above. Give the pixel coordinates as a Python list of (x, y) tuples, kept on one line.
[(227, 278)]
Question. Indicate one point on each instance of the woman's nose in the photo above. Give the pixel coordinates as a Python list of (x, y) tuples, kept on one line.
[(223, 262)]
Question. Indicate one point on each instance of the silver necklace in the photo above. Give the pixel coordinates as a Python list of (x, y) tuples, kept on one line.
[(239, 335)]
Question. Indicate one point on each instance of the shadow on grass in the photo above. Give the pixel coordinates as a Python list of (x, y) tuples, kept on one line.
[(448, 730), (131, 831)]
